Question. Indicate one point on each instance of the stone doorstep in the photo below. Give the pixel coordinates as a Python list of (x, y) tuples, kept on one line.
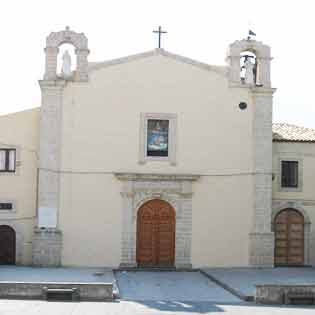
[(239, 294)]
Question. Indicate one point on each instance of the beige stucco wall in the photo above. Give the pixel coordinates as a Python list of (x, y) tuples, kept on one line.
[(101, 134), (222, 220), (90, 219), (20, 131)]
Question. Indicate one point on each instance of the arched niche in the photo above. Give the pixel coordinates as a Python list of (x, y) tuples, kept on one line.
[(263, 58), (63, 48), (248, 57), (67, 36)]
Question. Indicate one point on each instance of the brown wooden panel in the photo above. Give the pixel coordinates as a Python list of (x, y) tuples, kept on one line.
[(7, 245), (289, 238), (156, 244)]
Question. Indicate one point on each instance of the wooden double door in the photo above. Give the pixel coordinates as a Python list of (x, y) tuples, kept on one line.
[(7, 245), (289, 238), (156, 234)]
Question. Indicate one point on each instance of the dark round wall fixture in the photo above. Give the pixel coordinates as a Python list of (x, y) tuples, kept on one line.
[(242, 105)]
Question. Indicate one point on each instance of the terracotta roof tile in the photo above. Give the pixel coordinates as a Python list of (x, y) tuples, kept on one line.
[(288, 132)]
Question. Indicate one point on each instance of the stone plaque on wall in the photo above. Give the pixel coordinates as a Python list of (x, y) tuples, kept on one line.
[(47, 217)]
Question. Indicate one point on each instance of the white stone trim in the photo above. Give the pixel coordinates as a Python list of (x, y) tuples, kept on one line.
[(172, 137), (140, 188), (292, 158)]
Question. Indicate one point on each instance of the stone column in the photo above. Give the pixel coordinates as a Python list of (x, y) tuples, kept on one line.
[(82, 64), (262, 238), (234, 71), (264, 71), (51, 63), (47, 237)]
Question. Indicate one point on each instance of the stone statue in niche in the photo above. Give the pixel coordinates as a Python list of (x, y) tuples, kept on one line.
[(249, 71), (66, 65)]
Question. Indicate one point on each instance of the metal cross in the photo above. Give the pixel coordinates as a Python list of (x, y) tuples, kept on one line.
[(160, 32)]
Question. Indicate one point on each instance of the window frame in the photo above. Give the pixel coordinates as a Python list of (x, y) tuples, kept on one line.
[(299, 187), (291, 181), (172, 133), (7, 160)]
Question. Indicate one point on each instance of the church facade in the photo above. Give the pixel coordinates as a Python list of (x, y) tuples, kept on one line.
[(156, 160)]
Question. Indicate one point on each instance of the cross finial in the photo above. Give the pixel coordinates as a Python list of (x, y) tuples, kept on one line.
[(160, 32)]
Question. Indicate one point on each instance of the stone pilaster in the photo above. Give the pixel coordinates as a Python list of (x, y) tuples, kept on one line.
[(47, 244), (184, 233), (48, 239), (128, 241), (261, 252)]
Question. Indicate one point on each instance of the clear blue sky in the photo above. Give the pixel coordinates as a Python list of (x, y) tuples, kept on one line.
[(199, 29)]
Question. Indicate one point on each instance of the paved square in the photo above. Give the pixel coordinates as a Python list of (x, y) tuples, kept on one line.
[(143, 293), (244, 280), (170, 286), (145, 308), (36, 274)]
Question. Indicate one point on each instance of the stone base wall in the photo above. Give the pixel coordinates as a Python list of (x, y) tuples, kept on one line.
[(261, 249), (38, 290), (285, 294), (47, 245)]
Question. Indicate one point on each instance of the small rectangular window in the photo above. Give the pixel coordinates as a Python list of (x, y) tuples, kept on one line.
[(157, 137), (6, 206), (7, 160), (289, 174)]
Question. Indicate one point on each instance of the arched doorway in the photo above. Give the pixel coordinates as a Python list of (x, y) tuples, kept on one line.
[(7, 245), (289, 238), (156, 234)]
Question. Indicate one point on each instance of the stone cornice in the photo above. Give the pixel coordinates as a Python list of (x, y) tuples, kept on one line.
[(52, 83), (222, 70), (253, 89), (156, 177), (263, 90)]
